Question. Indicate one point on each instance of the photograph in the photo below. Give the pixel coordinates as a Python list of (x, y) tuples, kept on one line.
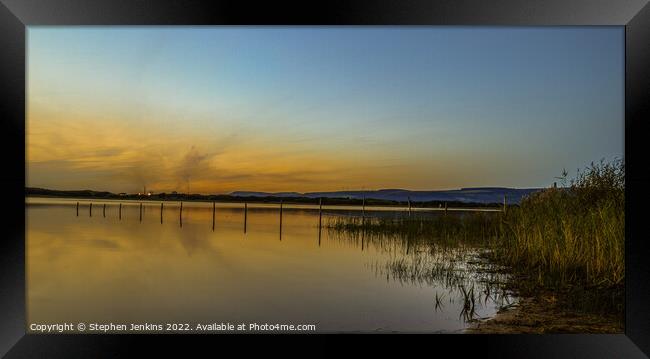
[(325, 179)]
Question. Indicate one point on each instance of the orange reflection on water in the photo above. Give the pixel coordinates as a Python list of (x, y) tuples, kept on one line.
[(106, 269)]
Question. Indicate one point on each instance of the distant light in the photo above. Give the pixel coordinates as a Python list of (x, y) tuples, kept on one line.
[(148, 193)]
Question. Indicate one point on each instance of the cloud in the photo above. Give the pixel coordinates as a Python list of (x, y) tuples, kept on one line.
[(84, 151), (192, 164)]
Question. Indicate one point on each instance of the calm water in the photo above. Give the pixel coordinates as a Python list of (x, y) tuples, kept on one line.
[(105, 269)]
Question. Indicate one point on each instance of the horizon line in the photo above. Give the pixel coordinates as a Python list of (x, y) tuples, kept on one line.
[(292, 192)]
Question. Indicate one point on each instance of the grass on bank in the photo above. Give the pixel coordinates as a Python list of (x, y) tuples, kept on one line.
[(569, 240)]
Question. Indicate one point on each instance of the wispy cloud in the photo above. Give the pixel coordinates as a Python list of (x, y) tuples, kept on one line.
[(76, 151)]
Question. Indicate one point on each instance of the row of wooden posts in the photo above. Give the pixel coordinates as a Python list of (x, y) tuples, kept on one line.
[(214, 208), (180, 215), (320, 210)]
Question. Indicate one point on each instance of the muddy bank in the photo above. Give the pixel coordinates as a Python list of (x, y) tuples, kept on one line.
[(543, 315)]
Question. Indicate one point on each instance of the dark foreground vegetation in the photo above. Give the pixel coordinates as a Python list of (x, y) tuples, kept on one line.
[(566, 243), (571, 241)]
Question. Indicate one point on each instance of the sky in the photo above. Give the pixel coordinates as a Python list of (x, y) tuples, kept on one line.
[(222, 109)]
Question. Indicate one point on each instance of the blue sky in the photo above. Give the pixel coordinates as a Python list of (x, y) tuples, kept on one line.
[(320, 108)]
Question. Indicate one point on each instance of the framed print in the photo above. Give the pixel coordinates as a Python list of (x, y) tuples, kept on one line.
[(184, 173)]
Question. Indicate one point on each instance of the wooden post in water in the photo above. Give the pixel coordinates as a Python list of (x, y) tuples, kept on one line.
[(120, 211), (140, 211), (245, 215), (363, 207), (90, 211), (504, 203), (445, 207), (180, 215), (214, 208), (161, 210), (77, 209), (280, 219), (104, 211)]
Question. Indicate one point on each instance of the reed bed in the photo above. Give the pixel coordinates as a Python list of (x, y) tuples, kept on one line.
[(569, 240), (475, 228), (573, 234), (441, 251), (459, 271)]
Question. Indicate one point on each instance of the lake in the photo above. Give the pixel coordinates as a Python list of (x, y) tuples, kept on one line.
[(103, 269)]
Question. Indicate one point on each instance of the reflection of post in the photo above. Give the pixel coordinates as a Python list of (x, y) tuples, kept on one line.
[(77, 209), (104, 211), (363, 231), (320, 218), (214, 208), (245, 215), (280, 219), (90, 211), (140, 211), (161, 209), (180, 215), (320, 213), (363, 222), (409, 206), (120, 211)]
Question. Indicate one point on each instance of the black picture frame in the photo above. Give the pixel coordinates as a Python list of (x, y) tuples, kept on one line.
[(15, 15)]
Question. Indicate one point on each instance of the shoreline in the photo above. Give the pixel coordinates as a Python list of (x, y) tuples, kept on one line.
[(540, 311), (543, 315)]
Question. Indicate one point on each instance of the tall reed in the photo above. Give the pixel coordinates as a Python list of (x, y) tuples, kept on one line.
[(573, 235), (567, 238)]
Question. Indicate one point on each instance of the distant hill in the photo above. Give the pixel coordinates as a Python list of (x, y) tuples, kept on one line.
[(487, 196), (268, 194), (465, 195)]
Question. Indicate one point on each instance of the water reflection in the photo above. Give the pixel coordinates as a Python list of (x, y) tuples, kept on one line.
[(205, 263), (459, 269)]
